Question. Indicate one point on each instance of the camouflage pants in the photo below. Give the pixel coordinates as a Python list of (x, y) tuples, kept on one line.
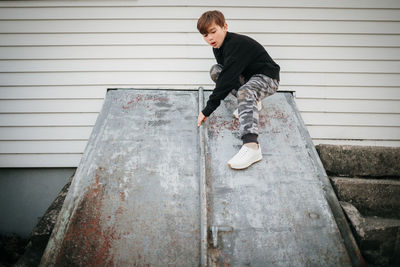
[(258, 87)]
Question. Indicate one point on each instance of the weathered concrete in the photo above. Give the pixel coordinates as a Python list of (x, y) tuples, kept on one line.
[(357, 161), (378, 238), (372, 197), (42, 231)]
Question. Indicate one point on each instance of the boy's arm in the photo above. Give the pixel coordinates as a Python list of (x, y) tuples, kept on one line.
[(228, 78)]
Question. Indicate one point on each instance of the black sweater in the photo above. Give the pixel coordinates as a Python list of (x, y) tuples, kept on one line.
[(238, 54)]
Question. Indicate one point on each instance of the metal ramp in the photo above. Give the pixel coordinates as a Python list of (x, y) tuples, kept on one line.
[(153, 189)]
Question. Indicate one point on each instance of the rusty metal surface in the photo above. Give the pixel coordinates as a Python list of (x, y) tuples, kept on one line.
[(150, 184), (275, 212), (135, 198)]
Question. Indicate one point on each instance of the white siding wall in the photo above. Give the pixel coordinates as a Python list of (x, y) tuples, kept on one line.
[(57, 58)]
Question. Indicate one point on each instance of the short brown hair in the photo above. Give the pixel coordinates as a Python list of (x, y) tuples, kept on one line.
[(205, 21)]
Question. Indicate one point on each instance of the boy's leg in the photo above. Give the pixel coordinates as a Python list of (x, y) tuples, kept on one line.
[(257, 88), (215, 71), (214, 74), (271, 87)]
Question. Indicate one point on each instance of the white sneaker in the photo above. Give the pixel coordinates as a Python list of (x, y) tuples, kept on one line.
[(235, 114), (245, 157)]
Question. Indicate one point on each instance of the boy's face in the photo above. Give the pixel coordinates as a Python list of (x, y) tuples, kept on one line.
[(215, 35)]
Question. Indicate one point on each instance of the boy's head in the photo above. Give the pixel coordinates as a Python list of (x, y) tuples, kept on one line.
[(213, 27)]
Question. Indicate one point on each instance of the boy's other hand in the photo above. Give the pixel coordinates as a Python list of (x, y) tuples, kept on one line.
[(201, 118)]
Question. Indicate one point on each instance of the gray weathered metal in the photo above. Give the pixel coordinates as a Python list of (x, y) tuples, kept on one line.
[(154, 189), (134, 200), (277, 212)]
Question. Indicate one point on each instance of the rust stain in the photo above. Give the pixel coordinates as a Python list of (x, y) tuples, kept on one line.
[(85, 242), (217, 258), (139, 98), (264, 120), (217, 124), (133, 101), (119, 211), (122, 196), (213, 257), (277, 114)]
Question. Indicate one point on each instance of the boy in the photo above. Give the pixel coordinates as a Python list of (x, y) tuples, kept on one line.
[(247, 71)]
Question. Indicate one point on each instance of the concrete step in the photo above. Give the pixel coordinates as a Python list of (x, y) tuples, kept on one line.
[(372, 197), (358, 161), (378, 238)]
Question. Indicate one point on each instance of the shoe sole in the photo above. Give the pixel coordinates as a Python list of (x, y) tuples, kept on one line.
[(245, 166)]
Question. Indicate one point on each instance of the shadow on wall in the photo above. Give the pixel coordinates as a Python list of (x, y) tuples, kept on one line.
[(25, 194)]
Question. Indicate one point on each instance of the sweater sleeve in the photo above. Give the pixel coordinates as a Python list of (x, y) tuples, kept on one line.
[(235, 62)]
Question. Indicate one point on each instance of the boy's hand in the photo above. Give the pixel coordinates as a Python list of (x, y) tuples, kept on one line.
[(201, 118)]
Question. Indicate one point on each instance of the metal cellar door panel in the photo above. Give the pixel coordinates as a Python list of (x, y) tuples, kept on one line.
[(274, 213), (153, 189), (135, 198)]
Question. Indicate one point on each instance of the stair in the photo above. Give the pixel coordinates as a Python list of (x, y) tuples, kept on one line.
[(368, 189)]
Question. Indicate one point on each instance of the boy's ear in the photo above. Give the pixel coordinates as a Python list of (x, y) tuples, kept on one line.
[(225, 27)]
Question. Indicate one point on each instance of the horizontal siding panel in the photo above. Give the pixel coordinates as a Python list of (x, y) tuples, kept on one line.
[(300, 39), (107, 65), (351, 132), (326, 92), (343, 105), (340, 79), (251, 26), (182, 38), (39, 160), (53, 92), (194, 78), (101, 78), (193, 52), (112, 52), (45, 133), (56, 105), (172, 12), (350, 119), (383, 67), (68, 92), (209, 3), (47, 147), (48, 119)]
